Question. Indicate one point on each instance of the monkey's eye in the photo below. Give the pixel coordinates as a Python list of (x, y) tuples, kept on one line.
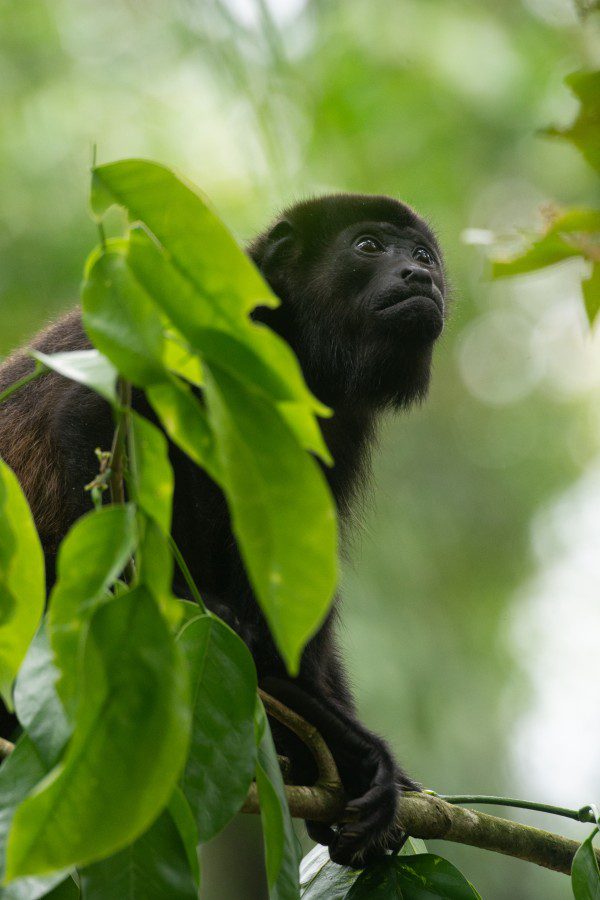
[(423, 255), (368, 245)]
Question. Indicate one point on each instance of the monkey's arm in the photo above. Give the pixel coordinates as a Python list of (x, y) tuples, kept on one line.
[(370, 775)]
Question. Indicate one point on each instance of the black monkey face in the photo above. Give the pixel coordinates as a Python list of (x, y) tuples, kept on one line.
[(393, 280), (362, 285)]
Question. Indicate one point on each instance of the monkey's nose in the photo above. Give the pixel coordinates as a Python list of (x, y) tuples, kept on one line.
[(417, 275)]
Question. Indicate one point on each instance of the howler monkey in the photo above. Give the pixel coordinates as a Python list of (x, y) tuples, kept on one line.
[(362, 286)]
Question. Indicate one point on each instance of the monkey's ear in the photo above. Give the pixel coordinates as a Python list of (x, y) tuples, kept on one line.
[(283, 229)]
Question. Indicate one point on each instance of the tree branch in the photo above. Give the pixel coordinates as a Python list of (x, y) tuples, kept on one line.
[(420, 815)]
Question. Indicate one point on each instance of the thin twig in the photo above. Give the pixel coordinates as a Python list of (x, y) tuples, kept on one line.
[(39, 369)]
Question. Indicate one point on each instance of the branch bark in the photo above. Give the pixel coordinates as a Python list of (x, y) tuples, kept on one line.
[(420, 815)]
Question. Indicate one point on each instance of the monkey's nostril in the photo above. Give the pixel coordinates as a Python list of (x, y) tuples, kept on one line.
[(416, 273)]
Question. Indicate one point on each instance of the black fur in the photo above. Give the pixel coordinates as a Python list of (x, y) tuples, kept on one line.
[(363, 322)]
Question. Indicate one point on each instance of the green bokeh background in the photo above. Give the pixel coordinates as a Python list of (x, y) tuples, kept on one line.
[(470, 608)]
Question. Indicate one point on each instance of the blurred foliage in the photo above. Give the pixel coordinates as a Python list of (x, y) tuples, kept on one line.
[(437, 103)]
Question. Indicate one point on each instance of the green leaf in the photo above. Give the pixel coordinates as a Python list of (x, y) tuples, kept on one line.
[(155, 568), (584, 133), (245, 349), (197, 242), (155, 867), (547, 251), (37, 704), (22, 579), (287, 536), (152, 471), (65, 890), (127, 750), (222, 754), (322, 879), (422, 877), (90, 559), (121, 319), (585, 873), (186, 423), (186, 825), (282, 854), (591, 293), (88, 367)]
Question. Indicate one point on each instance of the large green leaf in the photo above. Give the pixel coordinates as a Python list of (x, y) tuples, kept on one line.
[(222, 754), (585, 873), (37, 704), (90, 559), (198, 243), (422, 877), (127, 750), (322, 879), (22, 580), (155, 867), (282, 850), (287, 535)]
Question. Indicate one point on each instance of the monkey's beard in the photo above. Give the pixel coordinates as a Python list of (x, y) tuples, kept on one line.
[(372, 371)]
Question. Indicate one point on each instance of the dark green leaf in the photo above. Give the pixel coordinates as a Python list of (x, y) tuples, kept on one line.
[(22, 579), (422, 877), (155, 867), (90, 559), (585, 873), (131, 733), (222, 754), (287, 536), (282, 852), (186, 825)]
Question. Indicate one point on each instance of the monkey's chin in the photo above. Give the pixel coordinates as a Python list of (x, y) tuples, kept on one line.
[(417, 318)]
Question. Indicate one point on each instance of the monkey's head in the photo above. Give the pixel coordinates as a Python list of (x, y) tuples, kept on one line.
[(362, 285)]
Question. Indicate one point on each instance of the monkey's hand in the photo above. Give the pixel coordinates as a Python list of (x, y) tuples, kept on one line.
[(372, 779)]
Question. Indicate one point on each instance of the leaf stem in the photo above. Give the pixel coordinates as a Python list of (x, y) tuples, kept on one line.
[(38, 370), (585, 814), (183, 568)]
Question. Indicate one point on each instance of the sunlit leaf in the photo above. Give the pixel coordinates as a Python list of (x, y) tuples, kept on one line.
[(121, 319), (290, 556), (90, 559), (88, 367), (550, 249), (186, 423), (222, 753), (22, 579), (131, 731), (152, 470), (585, 873)]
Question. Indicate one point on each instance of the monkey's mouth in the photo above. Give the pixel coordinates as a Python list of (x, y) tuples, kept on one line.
[(395, 301)]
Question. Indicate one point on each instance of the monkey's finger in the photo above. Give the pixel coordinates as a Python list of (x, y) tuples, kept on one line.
[(319, 832)]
